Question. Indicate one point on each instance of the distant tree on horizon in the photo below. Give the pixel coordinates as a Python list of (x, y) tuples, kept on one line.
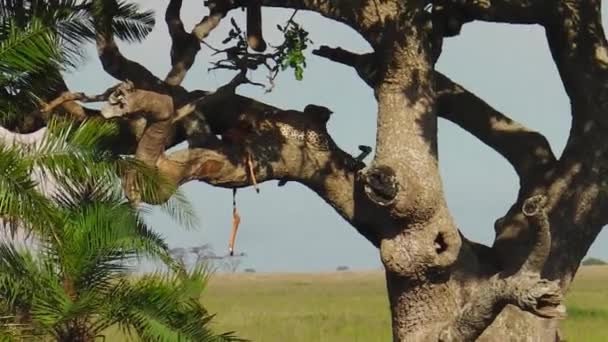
[(594, 262)]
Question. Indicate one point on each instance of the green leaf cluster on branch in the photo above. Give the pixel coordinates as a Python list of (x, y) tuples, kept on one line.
[(287, 55)]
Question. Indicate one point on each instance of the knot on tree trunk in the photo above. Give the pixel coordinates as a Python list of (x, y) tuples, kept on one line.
[(422, 249), (408, 255), (381, 185), (534, 205)]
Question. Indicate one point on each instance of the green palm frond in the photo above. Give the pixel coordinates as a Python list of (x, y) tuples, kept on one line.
[(72, 151), (20, 201), (164, 307), (70, 154), (98, 222), (65, 141), (155, 188), (18, 273), (86, 233), (130, 23), (27, 50), (179, 208), (78, 275), (46, 36), (24, 51)]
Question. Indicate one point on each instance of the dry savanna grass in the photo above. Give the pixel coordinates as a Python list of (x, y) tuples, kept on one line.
[(351, 306)]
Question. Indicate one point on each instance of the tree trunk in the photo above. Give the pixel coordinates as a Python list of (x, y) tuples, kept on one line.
[(76, 331), (420, 312), (515, 325)]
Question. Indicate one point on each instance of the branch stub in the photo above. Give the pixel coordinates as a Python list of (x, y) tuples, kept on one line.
[(381, 185)]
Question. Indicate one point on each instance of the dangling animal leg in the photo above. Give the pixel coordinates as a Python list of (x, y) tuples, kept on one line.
[(251, 174), (236, 220)]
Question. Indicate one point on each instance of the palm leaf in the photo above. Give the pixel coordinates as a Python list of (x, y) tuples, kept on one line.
[(130, 23), (164, 307), (28, 50), (20, 201)]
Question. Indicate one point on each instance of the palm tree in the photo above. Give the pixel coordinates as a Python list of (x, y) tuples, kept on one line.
[(76, 284), (73, 282)]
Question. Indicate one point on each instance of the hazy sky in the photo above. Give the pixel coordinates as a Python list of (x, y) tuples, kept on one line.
[(290, 228)]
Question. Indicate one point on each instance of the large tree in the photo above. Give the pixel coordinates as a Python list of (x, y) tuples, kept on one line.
[(441, 286)]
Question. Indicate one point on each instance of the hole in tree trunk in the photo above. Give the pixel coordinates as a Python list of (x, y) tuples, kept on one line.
[(381, 185), (440, 244)]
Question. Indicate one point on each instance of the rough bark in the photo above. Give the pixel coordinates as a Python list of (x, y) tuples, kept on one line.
[(441, 286)]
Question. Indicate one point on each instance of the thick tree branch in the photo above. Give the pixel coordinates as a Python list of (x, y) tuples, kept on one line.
[(185, 46), (579, 48), (117, 65), (37, 118), (327, 175), (71, 97), (457, 12), (362, 15), (364, 64), (282, 145), (528, 151)]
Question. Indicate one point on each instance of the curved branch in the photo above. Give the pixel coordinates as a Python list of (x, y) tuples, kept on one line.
[(224, 165), (117, 65), (364, 64), (525, 289), (534, 209), (527, 151), (502, 11), (349, 12), (184, 45), (283, 145), (59, 101)]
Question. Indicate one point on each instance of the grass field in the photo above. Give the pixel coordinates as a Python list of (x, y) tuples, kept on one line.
[(352, 307)]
